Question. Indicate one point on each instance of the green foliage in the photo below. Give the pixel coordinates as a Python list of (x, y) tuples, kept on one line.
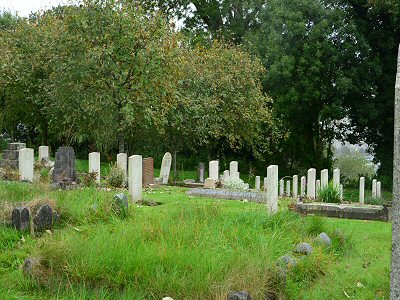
[(329, 194), (352, 166), (88, 178), (316, 225), (116, 177)]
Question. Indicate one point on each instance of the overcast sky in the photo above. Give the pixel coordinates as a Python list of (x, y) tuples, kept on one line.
[(25, 7)]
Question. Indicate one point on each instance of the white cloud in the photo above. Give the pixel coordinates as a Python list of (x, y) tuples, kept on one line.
[(25, 7)]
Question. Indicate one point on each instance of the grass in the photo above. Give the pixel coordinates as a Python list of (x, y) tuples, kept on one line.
[(187, 248)]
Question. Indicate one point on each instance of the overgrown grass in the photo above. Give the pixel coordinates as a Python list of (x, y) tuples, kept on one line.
[(187, 248)]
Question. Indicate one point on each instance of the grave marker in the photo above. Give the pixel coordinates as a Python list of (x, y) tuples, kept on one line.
[(94, 165), (166, 167), (311, 177), (295, 186), (362, 190), (135, 177), (25, 163), (43, 153), (213, 170), (272, 189), (122, 163)]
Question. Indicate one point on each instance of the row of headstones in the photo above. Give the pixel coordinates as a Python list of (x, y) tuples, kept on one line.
[(213, 167)]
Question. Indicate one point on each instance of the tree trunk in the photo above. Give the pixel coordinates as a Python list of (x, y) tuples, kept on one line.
[(395, 268)]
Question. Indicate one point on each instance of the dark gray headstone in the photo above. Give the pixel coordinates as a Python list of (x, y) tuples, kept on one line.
[(16, 218), (64, 167), (242, 295), (304, 248), (43, 218), (25, 219), (200, 172)]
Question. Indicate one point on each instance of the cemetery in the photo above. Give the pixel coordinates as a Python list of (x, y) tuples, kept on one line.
[(200, 150)]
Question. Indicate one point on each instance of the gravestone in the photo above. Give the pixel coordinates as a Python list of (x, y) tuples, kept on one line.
[(94, 165), (148, 171), (25, 219), (200, 172), (341, 192), (324, 178), (16, 218), (43, 153), (11, 154), (234, 169), (257, 183), (26, 163), (121, 203), (122, 163), (226, 174), (295, 186), (311, 177), (64, 167), (317, 187), (374, 188), (362, 190), (303, 186), (213, 170), (135, 177), (265, 184), (288, 193), (336, 178), (43, 218), (272, 189), (166, 167), (378, 190), (209, 183), (281, 187)]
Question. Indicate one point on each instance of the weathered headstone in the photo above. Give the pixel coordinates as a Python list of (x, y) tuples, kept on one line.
[(121, 204), (10, 156), (336, 178), (148, 171), (234, 169), (374, 188), (257, 183), (25, 219), (94, 165), (26, 162), (16, 218), (295, 186), (311, 177), (43, 218), (64, 167), (166, 167), (272, 189), (324, 178), (317, 187), (378, 190), (43, 153), (281, 187), (303, 185), (213, 170), (209, 183), (265, 184), (288, 193), (135, 177), (200, 172), (362, 190), (122, 163)]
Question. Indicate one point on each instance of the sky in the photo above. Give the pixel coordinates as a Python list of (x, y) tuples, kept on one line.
[(25, 7)]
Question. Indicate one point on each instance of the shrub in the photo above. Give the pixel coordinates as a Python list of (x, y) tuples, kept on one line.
[(352, 166), (116, 177), (10, 174), (329, 194), (234, 184), (89, 179)]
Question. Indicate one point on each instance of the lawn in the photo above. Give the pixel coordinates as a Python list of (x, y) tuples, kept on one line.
[(188, 248)]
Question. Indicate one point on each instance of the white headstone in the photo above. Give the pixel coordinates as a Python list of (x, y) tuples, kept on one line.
[(378, 190), (213, 169), (295, 186), (122, 163), (324, 178), (281, 187), (336, 178), (362, 190), (166, 167), (246, 186), (303, 185), (226, 174), (257, 183), (374, 188), (288, 193), (135, 177), (234, 169), (317, 187), (341, 192), (265, 184), (311, 176), (94, 164), (272, 189), (25, 164), (43, 152)]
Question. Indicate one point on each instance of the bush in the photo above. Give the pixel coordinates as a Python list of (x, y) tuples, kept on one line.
[(9, 174), (116, 177), (89, 179), (234, 184), (352, 166), (329, 194)]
